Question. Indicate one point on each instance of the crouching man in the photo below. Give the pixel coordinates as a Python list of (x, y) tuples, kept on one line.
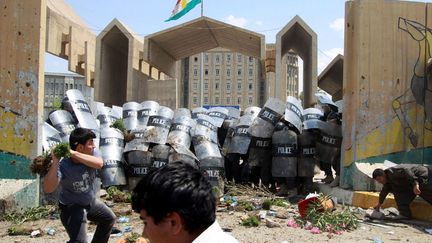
[(405, 182), (176, 204), (77, 197)]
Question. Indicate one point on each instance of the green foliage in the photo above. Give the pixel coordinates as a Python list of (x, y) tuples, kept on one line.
[(62, 150), (251, 221), (330, 221), (117, 195), (18, 230), (277, 202), (132, 237), (119, 124), (56, 104), (244, 205), (31, 214)]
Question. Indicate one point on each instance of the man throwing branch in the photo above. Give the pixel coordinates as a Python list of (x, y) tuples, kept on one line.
[(405, 181), (77, 200)]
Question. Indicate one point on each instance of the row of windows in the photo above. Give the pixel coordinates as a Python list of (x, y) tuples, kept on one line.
[(66, 86), (216, 100), (228, 86), (228, 72), (218, 58)]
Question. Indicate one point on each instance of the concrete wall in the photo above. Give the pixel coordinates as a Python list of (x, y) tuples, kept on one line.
[(388, 111)]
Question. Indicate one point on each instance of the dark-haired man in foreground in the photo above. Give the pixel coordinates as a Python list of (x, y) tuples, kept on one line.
[(176, 204), (405, 181)]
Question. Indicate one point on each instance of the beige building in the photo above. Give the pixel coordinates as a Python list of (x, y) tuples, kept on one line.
[(291, 69), (229, 79)]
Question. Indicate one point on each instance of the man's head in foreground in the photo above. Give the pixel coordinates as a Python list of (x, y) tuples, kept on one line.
[(176, 203)]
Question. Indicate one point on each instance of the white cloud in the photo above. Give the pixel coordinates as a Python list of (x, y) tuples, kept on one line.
[(259, 23), (338, 26), (326, 56), (237, 21)]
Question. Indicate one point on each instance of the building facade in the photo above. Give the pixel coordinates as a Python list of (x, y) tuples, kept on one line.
[(229, 79), (56, 85), (290, 65)]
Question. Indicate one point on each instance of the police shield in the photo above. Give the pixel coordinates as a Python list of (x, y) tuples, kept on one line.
[(179, 153), (158, 126), (329, 142), (307, 145), (160, 155), (294, 113), (310, 118), (82, 110), (130, 114), (285, 152), (50, 137), (147, 108), (233, 113), (205, 127), (62, 121), (260, 151), (111, 147), (230, 125), (241, 138), (219, 114), (198, 110), (180, 131), (138, 143), (213, 170), (270, 114), (252, 110), (139, 164), (182, 112), (106, 116)]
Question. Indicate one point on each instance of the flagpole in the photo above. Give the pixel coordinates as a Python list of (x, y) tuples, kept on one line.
[(202, 64)]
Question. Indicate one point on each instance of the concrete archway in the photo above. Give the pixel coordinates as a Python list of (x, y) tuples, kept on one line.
[(300, 38)]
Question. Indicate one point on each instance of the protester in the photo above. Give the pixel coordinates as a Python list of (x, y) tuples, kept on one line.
[(76, 177), (405, 181), (176, 204)]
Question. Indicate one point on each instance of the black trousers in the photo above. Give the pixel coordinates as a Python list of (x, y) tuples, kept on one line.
[(73, 218), (404, 198)]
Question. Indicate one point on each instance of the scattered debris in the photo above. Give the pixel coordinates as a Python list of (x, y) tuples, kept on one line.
[(19, 230), (36, 233), (117, 195), (31, 214), (271, 224), (123, 220)]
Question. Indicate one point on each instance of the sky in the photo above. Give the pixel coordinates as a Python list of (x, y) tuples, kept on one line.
[(144, 17)]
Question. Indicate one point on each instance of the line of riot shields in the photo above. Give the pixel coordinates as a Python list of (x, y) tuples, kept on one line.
[(276, 145)]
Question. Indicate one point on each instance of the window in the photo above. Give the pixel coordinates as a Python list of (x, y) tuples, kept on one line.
[(228, 86), (228, 100), (195, 72), (205, 86), (206, 57), (239, 71), (239, 57), (228, 72), (238, 100), (195, 59), (206, 72), (216, 100), (195, 100), (217, 86), (250, 71), (250, 86), (206, 100), (217, 71), (250, 100), (217, 59), (250, 59), (195, 86), (239, 86), (228, 58)]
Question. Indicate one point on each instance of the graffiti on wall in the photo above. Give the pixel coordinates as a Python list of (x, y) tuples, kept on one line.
[(420, 90)]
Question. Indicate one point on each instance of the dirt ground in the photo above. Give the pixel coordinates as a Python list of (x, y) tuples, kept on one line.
[(230, 221)]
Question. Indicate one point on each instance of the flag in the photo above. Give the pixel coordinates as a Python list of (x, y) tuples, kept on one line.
[(182, 7)]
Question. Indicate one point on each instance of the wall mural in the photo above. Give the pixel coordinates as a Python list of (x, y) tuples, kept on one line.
[(420, 91)]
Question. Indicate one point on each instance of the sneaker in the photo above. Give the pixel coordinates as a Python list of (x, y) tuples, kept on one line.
[(335, 182), (328, 179)]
